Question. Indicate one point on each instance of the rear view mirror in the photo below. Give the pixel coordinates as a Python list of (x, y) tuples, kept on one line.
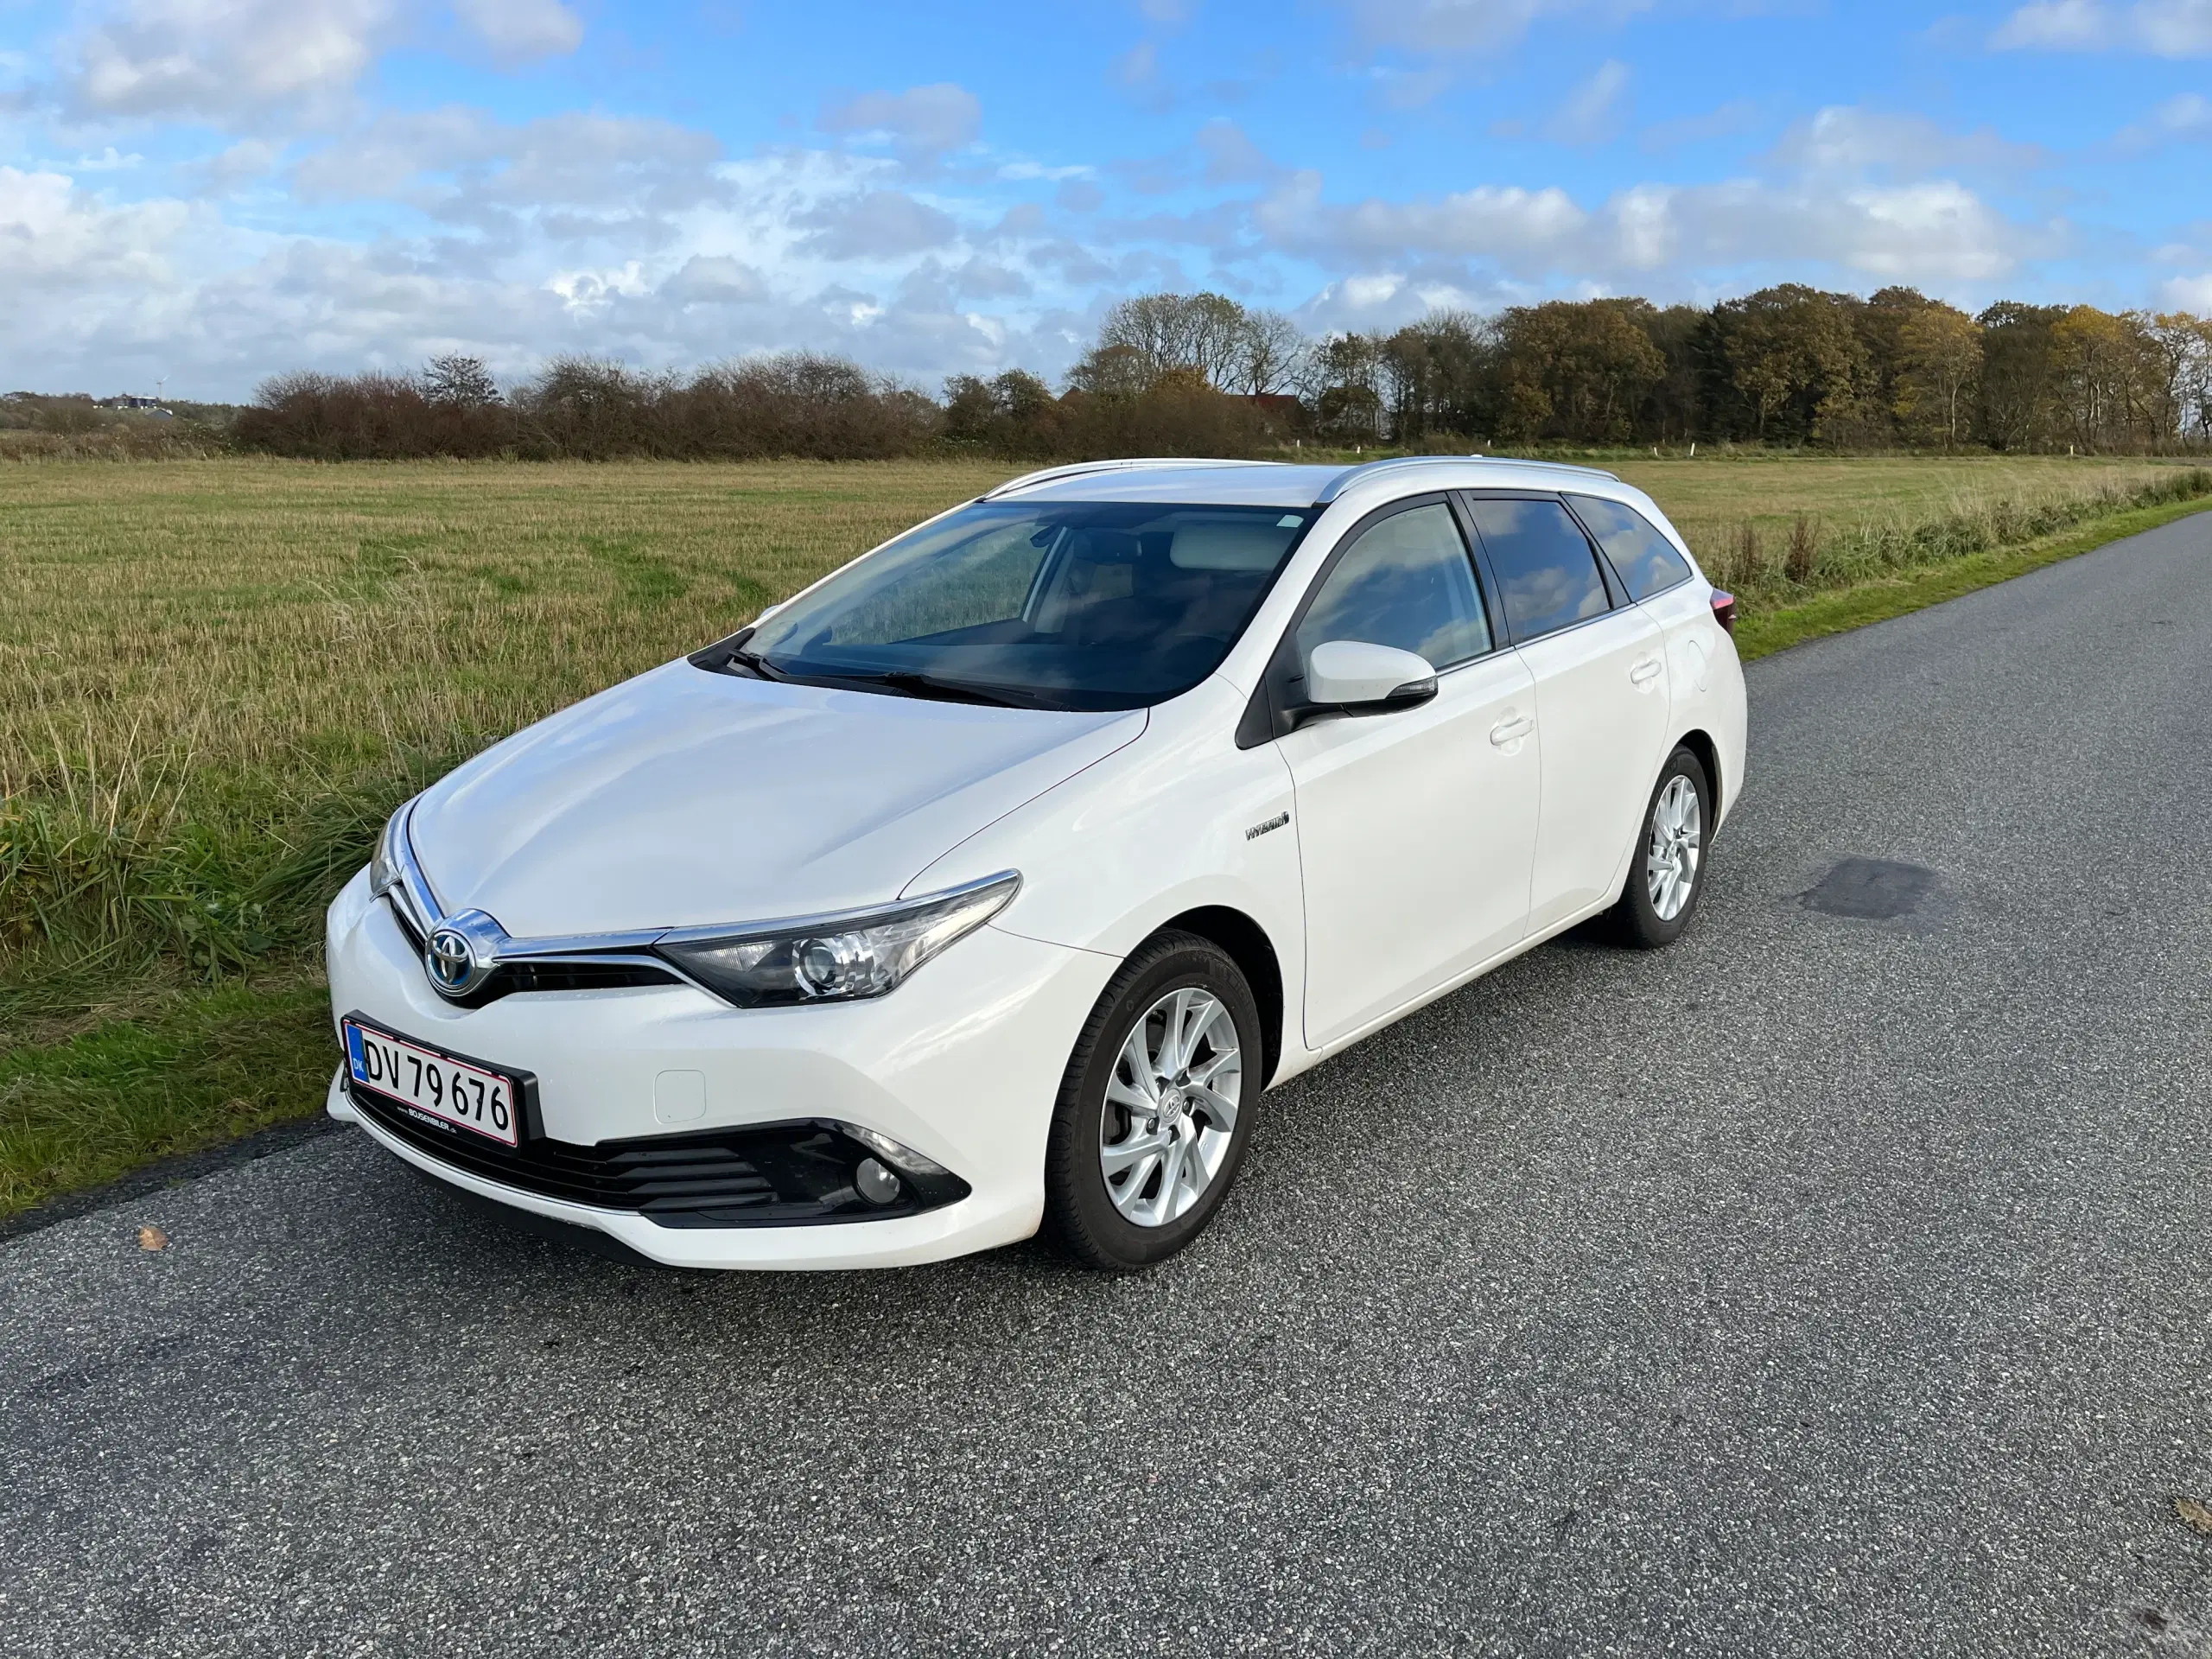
[(1361, 679)]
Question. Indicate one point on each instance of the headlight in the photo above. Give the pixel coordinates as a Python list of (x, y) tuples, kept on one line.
[(384, 869), (836, 959)]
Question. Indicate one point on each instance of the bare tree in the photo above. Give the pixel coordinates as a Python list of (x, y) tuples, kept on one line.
[(1271, 353), (1197, 333), (459, 381)]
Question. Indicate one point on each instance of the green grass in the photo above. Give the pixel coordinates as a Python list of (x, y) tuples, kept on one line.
[(1762, 632), (217, 677), (212, 1065)]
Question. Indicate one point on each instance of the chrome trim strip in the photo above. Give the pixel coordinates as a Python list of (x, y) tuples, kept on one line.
[(634, 946), (1136, 464), (827, 921), (1351, 475)]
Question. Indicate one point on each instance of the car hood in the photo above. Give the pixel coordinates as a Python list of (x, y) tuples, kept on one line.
[(684, 798)]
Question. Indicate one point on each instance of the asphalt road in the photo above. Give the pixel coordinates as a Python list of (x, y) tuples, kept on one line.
[(1822, 1286)]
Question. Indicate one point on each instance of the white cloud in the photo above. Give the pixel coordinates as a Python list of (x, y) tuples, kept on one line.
[(715, 279), (1229, 157), (1458, 25), (1935, 231), (52, 235), (522, 31), (2166, 29), (922, 123), (2191, 294), (1592, 114), (222, 60), (1137, 73), (876, 224), (1846, 138), (1737, 114), (572, 175), (2188, 116), (1504, 223)]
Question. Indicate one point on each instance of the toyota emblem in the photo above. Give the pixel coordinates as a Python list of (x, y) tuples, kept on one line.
[(460, 955)]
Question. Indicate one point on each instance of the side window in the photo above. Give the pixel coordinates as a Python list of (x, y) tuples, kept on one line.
[(1645, 560), (1407, 582), (1547, 570)]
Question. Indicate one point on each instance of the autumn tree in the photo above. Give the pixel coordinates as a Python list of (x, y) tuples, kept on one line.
[(2018, 393), (1346, 387), (1793, 355), (1574, 370), (1938, 362)]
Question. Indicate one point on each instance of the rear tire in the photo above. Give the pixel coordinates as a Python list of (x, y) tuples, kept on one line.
[(1155, 1108), (1667, 869)]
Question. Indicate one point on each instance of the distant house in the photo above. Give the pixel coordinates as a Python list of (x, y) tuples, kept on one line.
[(129, 401), (1282, 412)]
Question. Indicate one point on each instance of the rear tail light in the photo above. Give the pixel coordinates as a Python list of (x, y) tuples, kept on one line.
[(1724, 609)]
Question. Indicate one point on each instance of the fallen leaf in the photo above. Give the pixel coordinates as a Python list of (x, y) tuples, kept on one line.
[(2196, 1512), (153, 1238)]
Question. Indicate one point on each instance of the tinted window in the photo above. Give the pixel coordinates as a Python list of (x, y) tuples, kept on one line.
[(1646, 561), (1050, 604), (1545, 565), (1407, 582)]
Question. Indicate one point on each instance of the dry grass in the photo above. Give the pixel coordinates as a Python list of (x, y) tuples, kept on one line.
[(207, 668), (217, 677)]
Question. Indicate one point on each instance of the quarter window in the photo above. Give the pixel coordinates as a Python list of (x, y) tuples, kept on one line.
[(1408, 582), (1645, 560), (1547, 570)]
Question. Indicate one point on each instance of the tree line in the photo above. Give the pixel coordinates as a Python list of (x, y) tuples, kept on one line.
[(1188, 373)]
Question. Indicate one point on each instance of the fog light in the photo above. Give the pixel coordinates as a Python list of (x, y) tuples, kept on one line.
[(876, 1183)]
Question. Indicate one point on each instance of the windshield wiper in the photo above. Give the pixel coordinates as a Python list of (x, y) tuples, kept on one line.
[(928, 685), (752, 661)]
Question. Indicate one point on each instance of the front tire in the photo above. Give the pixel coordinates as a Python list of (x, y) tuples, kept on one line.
[(1667, 870), (1155, 1108)]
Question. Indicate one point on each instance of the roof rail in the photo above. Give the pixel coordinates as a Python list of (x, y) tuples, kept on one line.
[(1344, 480), (1082, 466)]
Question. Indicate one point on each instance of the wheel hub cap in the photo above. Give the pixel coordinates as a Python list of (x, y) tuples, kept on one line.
[(1171, 1107), (1677, 838)]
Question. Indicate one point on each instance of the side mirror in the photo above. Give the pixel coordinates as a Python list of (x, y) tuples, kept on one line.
[(1360, 678)]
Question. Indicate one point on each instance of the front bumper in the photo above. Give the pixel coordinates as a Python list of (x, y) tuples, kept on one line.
[(962, 1064)]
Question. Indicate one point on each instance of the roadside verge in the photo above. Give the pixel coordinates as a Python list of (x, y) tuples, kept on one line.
[(1761, 634)]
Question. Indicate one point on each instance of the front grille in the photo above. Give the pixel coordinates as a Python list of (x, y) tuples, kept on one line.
[(787, 1174), (524, 974)]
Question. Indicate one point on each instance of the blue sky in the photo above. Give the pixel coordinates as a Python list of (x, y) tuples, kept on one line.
[(210, 191)]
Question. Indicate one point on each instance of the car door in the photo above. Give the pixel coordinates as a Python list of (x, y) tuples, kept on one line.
[(1598, 665), (1416, 827)]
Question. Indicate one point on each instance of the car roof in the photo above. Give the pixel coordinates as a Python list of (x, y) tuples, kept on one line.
[(1283, 483)]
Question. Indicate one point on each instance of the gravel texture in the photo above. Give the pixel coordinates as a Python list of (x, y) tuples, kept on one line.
[(1824, 1285)]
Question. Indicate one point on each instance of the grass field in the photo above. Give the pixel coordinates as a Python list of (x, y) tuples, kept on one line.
[(216, 677)]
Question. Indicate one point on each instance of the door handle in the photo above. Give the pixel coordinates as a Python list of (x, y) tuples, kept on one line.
[(1643, 673), (1511, 731)]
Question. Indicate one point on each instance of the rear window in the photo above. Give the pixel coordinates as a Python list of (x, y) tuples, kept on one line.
[(1645, 560)]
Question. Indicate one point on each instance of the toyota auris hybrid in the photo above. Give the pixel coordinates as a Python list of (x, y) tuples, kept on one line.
[(986, 886)]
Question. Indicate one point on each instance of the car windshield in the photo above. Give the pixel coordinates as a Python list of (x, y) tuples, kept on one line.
[(1039, 604)]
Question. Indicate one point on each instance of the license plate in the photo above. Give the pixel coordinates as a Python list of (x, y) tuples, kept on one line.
[(432, 1084)]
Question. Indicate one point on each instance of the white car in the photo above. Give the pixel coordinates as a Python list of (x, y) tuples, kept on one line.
[(987, 884)]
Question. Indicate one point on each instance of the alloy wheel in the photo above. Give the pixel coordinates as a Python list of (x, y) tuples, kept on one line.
[(1677, 839), (1171, 1107)]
